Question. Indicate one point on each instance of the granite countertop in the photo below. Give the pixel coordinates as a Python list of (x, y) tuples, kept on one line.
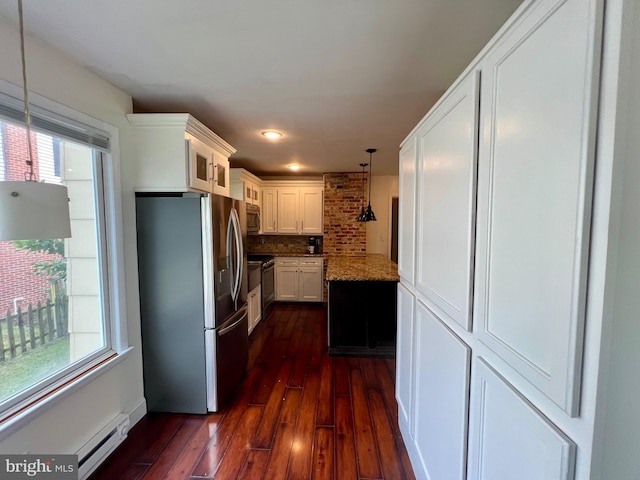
[(374, 267)]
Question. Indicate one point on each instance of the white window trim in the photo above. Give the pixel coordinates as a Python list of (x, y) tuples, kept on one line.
[(116, 279)]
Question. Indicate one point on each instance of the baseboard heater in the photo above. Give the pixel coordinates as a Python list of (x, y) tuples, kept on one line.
[(92, 453)]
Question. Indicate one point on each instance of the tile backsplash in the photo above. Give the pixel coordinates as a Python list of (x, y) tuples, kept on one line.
[(280, 243)]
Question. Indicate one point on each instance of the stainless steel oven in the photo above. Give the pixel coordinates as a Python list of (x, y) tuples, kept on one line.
[(268, 286), (267, 280)]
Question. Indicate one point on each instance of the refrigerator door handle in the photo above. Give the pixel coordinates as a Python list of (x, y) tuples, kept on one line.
[(234, 219), (230, 239), (242, 314), (240, 249)]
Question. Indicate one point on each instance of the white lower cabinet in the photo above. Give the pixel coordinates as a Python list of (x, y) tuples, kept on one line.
[(509, 438), (310, 284), (299, 279), (255, 307), (405, 357), (466, 421), (286, 283), (441, 397)]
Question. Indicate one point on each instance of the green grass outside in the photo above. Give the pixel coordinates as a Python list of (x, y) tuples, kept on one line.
[(28, 368)]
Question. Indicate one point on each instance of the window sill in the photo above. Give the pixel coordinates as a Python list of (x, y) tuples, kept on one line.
[(58, 393)]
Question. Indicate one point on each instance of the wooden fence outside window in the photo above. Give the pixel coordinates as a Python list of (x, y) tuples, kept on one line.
[(33, 327)]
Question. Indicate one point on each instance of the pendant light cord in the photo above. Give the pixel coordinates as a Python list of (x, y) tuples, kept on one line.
[(370, 172), (27, 113), (363, 165)]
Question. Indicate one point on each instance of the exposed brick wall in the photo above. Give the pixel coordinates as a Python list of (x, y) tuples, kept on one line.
[(342, 205), (15, 152), (17, 278)]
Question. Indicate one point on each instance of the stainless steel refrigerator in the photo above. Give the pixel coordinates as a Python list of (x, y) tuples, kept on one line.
[(193, 299)]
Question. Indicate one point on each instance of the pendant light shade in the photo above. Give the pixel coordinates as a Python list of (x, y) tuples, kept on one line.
[(369, 216), (361, 217), (32, 210)]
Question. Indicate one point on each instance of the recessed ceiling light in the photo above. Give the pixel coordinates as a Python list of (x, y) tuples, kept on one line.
[(271, 134), (294, 167)]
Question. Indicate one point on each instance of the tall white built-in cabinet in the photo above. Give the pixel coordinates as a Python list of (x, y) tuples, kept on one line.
[(507, 198)]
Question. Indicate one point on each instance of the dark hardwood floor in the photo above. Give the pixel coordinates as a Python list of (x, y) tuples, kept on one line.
[(298, 414)]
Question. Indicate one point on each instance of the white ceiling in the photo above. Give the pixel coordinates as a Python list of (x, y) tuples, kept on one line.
[(334, 76)]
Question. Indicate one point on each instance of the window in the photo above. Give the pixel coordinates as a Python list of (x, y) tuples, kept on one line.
[(58, 296)]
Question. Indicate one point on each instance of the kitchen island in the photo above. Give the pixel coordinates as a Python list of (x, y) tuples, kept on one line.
[(362, 305)]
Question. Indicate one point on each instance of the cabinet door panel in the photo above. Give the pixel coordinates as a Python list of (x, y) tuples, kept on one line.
[(200, 165), (255, 312), (510, 439), (405, 356), (447, 179), (407, 211), (268, 212), (310, 289), (311, 213), (220, 174), (442, 392), (287, 283), (534, 196), (255, 195), (288, 210)]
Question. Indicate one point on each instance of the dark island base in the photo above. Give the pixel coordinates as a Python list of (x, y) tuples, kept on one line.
[(362, 318)]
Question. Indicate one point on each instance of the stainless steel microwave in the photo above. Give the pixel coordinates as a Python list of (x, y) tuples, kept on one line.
[(253, 219)]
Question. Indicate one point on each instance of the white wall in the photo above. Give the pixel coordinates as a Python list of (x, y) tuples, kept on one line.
[(383, 188), (68, 425)]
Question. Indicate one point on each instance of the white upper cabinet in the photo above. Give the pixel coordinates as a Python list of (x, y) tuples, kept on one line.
[(407, 210), (508, 438), (269, 210), (177, 153), (293, 207), (447, 146), (245, 186), (288, 210), (538, 98), (200, 164), (311, 210)]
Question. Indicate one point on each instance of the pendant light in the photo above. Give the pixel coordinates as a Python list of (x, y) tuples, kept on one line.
[(369, 216), (30, 209), (362, 212)]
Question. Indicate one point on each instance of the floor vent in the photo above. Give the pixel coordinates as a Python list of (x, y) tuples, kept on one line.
[(92, 453)]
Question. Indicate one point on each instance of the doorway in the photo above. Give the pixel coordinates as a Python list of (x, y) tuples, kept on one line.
[(393, 244)]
